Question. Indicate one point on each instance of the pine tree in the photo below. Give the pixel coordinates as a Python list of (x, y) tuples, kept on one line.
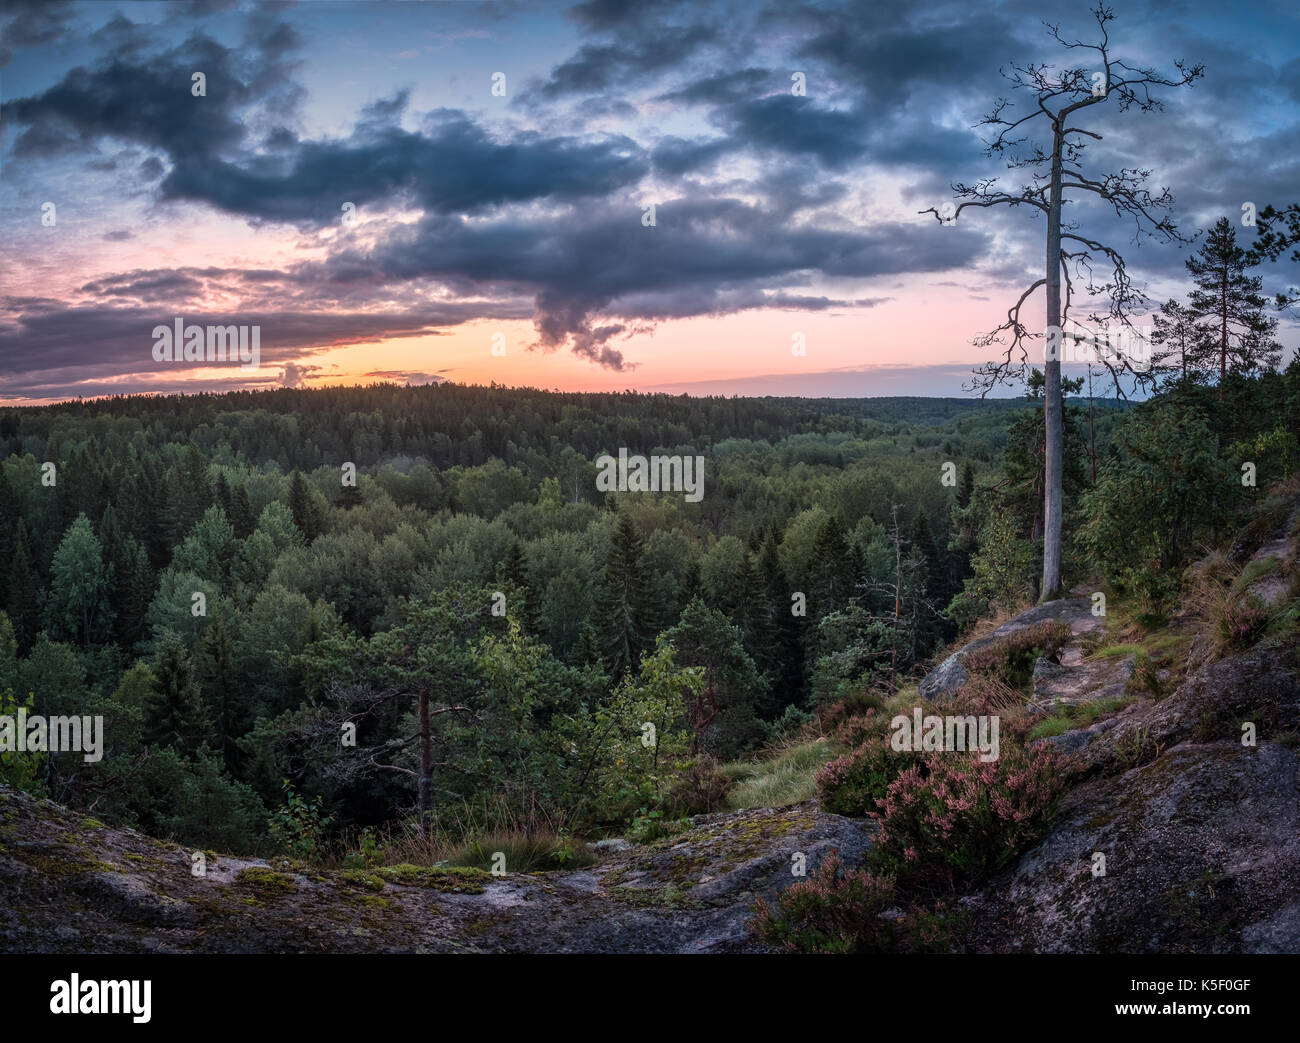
[(1184, 345), (1225, 294)]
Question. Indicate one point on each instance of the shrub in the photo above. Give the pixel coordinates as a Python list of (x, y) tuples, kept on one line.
[(955, 819), (701, 788), (853, 731), (788, 726), (854, 783), (298, 827), (836, 910)]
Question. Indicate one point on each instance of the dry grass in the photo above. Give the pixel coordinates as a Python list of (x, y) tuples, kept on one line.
[(470, 833)]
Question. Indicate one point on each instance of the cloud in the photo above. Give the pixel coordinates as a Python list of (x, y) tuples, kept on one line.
[(294, 375), (30, 23), (599, 269), (412, 377)]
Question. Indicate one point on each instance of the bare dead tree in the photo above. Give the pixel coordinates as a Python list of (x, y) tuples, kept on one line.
[(1053, 173)]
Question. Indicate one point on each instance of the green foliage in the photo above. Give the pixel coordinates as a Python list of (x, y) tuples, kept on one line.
[(720, 710), (297, 827), (78, 606), (20, 769), (954, 819), (1164, 491)]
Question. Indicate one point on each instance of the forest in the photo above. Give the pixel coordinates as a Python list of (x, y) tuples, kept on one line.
[(281, 653)]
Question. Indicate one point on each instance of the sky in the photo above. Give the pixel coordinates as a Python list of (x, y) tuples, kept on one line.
[(462, 191)]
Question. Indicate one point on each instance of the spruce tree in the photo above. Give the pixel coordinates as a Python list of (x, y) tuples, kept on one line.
[(189, 494), (223, 493), (787, 652), (626, 613), (303, 507), (131, 580), (832, 581), (174, 715), (8, 523), (513, 571), (241, 513), (23, 604)]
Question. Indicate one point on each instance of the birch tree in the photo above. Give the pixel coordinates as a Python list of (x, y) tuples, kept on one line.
[(1047, 142)]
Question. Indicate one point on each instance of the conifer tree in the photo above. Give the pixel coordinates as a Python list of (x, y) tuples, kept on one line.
[(23, 605), (241, 512), (303, 508), (1230, 298), (174, 714), (626, 612), (832, 579)]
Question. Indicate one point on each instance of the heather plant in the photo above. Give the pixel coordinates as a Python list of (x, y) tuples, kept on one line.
[(851, 732), (954, 819), (854, 783), (835, 910), (1240, 620)]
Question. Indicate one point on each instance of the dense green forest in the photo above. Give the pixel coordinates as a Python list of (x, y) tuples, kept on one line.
[(275, 646)]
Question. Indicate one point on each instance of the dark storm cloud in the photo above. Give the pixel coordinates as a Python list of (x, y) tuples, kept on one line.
[(611, 14), (454, 167), (618, 65), (796, 126), (724, 88), (701, 257), (676, 156), (73, 345), (29, 23), (147, 102), (892, 50)]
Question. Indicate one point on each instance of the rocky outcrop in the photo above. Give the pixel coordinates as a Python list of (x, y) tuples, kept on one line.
[(1259, 688), (72, 885), (1201, 851), (951, 674)]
